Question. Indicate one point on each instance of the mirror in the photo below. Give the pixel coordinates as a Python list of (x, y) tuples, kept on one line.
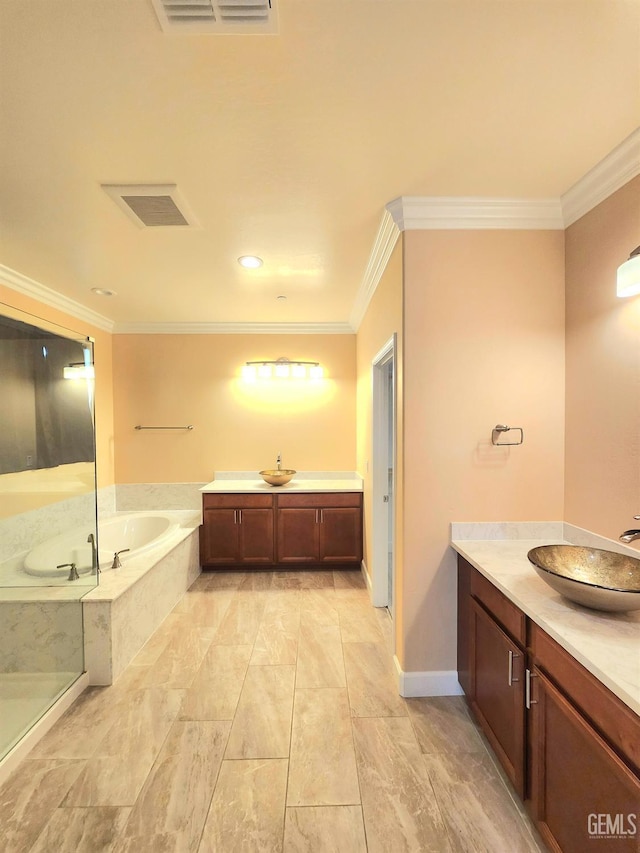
[(47, 440)]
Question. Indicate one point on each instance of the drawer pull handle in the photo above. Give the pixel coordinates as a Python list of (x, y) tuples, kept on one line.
[(528, 701), (511, 679)]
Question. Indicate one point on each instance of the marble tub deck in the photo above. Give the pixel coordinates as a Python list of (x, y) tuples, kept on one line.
[(263, 715)]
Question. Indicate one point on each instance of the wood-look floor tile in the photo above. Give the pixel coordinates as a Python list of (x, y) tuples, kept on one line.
[(83, 830), (443, 724), (330, 829), (398, 802), (206, 608), (116, 772), (262, 724), (161, 842), (257, 581), (247, 809), (79, 731), (240, 623), (320, 660), (215, 690), (349, 579), (371, 682), (157, 642), (358, 623), (309, 579), (277, 639), (322, 765), (177, 793), (223, 580), (319, 607), (29, 798), (181, 658), (480, 815)]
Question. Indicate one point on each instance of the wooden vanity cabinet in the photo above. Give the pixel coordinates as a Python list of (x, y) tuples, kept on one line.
[(237, 530), (289, 530), (572, 748), (319, 528), (576, 777), (496, 637)]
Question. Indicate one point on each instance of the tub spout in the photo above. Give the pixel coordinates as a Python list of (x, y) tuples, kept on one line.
[(91, 539), (116, 558), (73, 572)]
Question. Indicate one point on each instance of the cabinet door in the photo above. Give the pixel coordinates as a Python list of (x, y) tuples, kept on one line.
[(464, 625), (497, 692), (220, 537), (341, 535), (582, 795), (298, 535), (255, 530)]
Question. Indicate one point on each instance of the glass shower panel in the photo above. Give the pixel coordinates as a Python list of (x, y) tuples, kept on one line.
[(48, 514)]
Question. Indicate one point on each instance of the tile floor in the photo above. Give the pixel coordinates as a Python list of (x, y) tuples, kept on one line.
[(263, 716)]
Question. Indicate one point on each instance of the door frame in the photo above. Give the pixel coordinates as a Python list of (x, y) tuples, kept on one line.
[(380, 480)]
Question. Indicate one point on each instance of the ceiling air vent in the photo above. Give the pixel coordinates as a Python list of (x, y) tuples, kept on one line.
[(152, 205), (221, 17)]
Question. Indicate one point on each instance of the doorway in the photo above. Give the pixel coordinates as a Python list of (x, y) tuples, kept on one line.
[(384, 464)]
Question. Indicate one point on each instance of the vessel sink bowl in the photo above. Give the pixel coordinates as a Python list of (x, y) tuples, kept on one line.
[(277, 476), (601, 580)]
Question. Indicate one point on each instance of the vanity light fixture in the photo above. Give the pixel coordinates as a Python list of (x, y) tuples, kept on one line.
[(628, 276), (250, 262), (282, 368)]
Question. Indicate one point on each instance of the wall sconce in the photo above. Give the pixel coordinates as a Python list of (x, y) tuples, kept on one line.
[(628, 276), (282, 368), (79, 370)]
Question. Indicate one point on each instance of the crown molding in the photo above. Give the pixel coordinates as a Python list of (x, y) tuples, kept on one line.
[(28, 287), (383, 246), (233, 329), (619, 167), (412, 213)]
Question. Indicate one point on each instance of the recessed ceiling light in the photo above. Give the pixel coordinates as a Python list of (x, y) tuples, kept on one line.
[(281, 298), (102, 291), (250, 262)]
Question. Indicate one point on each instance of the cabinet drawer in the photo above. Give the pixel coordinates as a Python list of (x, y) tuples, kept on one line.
[(606, 712), (235, 501), (504, 611), (321, 499)]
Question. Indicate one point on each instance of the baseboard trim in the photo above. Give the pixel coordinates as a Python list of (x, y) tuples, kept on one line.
[(432, 683), (39, 729)]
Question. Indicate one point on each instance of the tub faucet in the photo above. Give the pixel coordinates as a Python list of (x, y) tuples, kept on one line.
[(279, 461), (94, 554), (630, 535), (116, 558), (73, 572)]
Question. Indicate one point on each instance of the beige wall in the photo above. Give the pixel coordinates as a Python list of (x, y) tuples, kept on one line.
[(382, 319), (103, 366), (603, 369), (196, 379), (484, 344)]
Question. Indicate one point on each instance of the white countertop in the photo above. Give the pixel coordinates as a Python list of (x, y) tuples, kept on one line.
[(606, 644), (248, 482)]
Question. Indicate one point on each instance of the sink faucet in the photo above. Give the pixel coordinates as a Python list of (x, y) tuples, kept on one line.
[(279, 461), (630, 535)]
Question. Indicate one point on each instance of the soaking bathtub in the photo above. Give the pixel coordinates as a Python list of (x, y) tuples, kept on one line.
[(133, 533)]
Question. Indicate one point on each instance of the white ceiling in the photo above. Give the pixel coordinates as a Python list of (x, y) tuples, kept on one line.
[(290, 145)]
